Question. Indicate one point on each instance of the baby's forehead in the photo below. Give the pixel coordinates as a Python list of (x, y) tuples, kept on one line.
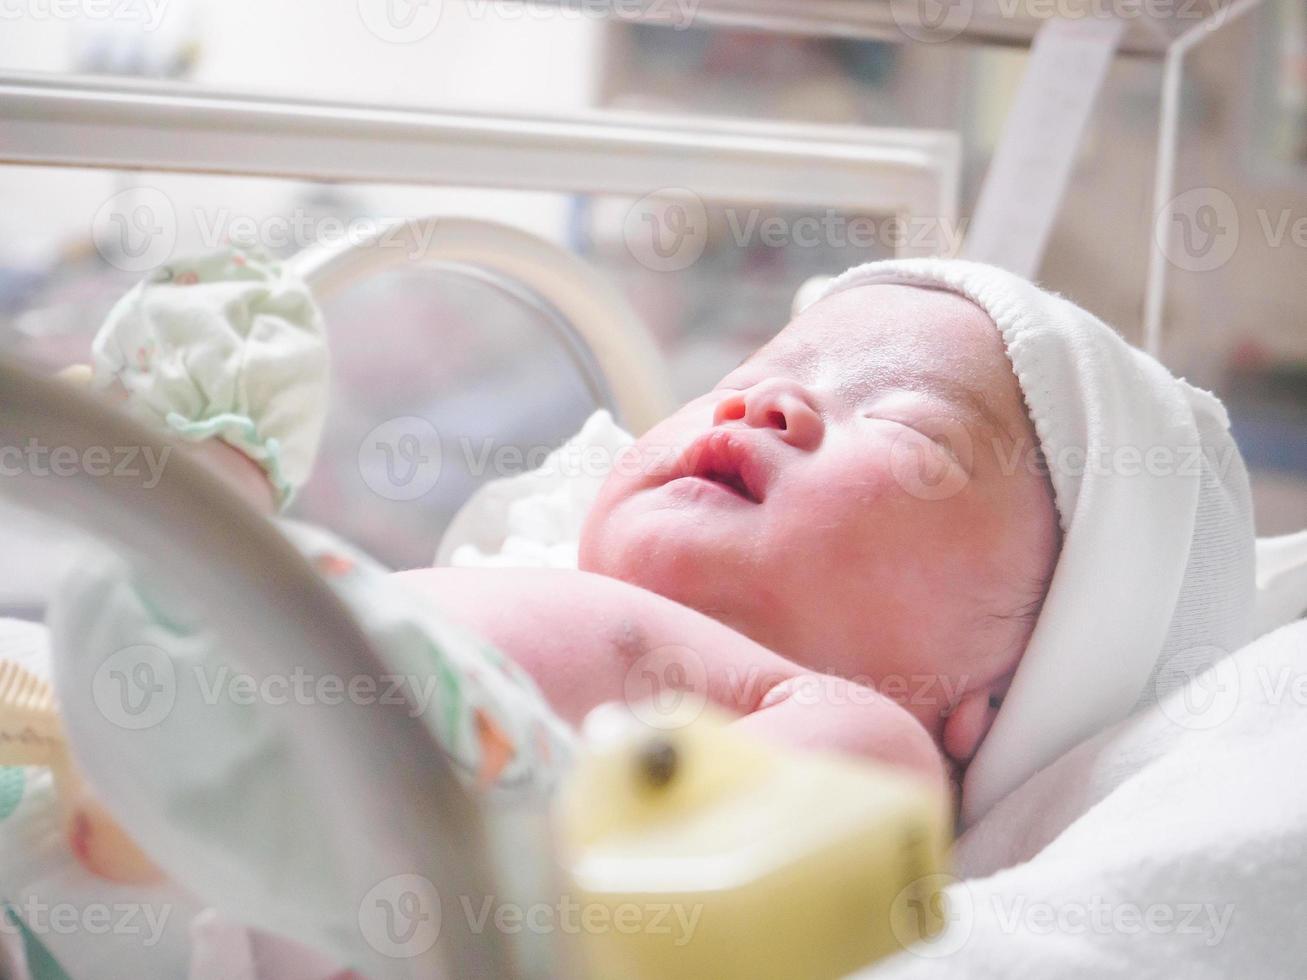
[(888, 331)]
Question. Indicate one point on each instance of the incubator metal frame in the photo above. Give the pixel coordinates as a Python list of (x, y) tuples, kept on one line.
[(608, 344), (72, 121), (264, 596)]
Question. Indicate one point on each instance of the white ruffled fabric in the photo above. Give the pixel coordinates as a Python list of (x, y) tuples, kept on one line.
[(1155, 579), (228, 344), (533, 520)]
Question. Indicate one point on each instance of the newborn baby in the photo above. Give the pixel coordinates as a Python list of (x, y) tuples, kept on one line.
[(840, 498), (835, 511), (893, 531)]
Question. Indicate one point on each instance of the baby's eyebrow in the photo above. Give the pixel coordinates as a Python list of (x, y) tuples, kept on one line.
[(961, 394)]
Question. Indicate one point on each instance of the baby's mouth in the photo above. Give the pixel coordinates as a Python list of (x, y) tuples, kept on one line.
[(721, 458)]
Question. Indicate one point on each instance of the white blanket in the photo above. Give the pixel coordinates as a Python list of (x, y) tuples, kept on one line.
[(1172, 845)]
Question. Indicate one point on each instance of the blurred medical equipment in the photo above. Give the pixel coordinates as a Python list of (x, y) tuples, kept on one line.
[(693, 813)]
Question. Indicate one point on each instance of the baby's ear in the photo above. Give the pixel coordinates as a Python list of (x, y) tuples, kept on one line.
[(968, 723)]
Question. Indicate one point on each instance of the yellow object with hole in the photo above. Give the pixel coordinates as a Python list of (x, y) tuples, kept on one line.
[(701, 852)]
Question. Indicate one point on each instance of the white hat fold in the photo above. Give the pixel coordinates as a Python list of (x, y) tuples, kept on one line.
[(1155, 578)]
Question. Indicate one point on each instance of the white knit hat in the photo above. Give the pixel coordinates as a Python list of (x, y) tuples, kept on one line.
[(1155, 578)]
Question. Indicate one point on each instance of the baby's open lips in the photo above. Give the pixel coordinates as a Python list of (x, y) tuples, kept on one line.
[(721, 457)]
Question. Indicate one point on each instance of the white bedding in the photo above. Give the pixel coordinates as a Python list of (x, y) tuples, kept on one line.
[(1173, 845)]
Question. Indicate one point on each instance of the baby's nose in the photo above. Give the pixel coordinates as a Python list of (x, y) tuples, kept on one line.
[(775, 404)]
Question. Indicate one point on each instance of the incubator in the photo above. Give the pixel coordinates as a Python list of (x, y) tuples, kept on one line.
[(756, 861)]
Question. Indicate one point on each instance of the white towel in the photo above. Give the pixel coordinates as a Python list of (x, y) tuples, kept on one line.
[(1171, 845), (1155, 579)]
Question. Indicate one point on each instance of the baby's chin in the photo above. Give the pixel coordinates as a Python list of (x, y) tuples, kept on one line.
[(695, 566)]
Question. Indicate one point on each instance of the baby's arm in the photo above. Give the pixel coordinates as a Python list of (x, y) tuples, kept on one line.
[(818, 711), (587, 639), (584, 638)]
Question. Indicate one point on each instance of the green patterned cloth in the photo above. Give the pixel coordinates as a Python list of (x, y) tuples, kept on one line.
[(196, 751), (41, 965), (12, 783)]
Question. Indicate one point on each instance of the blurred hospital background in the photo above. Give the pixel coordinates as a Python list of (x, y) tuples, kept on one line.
[(469, 353)]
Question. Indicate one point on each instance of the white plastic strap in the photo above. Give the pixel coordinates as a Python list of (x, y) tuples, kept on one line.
[(1030, 168)]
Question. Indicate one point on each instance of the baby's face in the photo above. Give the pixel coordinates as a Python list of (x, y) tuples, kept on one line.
[(857, 496)]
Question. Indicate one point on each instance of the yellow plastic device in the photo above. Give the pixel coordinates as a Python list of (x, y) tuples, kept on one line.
[(700, 852)]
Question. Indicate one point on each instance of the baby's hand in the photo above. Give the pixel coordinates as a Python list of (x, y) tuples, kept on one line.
[(227, 344), (818, 711), (229, 464)]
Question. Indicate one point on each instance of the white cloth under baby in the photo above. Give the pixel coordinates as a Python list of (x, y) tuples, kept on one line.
[(1174, 844), (1155, 578), (227, 344), (533, 520)]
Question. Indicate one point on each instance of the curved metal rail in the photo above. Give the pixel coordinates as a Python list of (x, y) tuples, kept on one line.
[(620, 363), (264, 596)]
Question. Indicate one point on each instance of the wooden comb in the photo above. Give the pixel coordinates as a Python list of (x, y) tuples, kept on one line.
[(31, 734), (30, 731)]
